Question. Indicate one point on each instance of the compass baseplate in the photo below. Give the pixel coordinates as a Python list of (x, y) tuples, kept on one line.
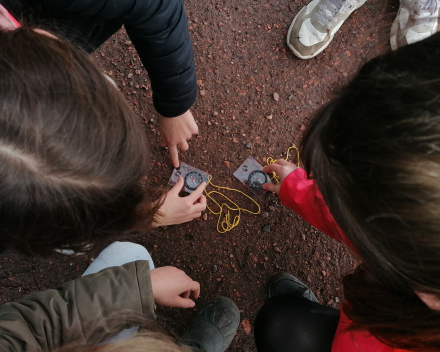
[(195, 177), (246, 171)]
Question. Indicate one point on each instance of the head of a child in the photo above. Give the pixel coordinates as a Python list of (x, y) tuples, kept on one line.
[(374, 152), (72, 153), (141, 342)]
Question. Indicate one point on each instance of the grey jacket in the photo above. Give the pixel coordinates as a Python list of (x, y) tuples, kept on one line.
[(78, 310)]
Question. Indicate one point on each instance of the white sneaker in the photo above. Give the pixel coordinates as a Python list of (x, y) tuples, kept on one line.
[(71, 251), (314, 26), (416, 20)]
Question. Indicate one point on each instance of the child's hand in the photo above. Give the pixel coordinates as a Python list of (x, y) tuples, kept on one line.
[(177, 210), (176, 131), (283, 168), (172, 287)]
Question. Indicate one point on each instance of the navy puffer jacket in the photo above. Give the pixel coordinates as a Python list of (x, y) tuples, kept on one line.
[(157, 28)]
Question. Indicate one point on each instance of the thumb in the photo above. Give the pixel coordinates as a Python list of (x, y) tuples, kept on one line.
[(178, 186), (271, 187), (184, 303), (197, 193)]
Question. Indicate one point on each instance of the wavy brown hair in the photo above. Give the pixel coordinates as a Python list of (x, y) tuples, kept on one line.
[(151, 342), (72, 152), (374, 152)]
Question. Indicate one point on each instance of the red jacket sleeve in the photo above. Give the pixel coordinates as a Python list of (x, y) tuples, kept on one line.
[(303, 197)]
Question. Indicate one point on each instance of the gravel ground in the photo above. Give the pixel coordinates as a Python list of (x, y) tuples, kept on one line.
[(245, 74)]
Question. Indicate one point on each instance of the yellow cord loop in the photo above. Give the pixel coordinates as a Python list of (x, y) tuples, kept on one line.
[(270, 160), (225, 224)]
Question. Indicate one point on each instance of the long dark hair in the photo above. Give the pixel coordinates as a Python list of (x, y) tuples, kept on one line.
[(72, 152), (374, 152)]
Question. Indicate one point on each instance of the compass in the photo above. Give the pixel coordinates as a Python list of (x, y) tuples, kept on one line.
[(193, 180), (257, 179)]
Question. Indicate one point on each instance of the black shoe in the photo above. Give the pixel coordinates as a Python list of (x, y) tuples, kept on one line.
[(214, 326), (286, 283)]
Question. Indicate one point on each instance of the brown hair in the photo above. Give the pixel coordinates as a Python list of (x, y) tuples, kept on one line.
[(72, 152), (151, 337), (374, 152), (151, 342)]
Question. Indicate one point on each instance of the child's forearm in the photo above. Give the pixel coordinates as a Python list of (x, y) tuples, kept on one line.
[(304, 198)]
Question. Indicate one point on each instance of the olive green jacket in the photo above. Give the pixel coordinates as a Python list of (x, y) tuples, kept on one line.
[(79, 310)]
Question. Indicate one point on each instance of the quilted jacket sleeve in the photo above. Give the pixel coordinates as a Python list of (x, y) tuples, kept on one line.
[(159, 32), (78, 310)]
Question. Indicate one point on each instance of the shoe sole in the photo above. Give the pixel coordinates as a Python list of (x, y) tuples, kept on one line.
[(305, 57)]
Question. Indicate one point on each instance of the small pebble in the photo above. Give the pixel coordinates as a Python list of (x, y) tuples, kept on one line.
[(248, 145), (265, 214), (272, 208), (202, 92), (276, 249), (269, 117), (266, 228), (246, 326), (226, 163), (129, 75), (215, 113), (276, 96), (205, 216), (214, 268)]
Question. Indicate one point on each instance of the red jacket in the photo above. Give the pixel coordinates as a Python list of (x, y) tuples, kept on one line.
[(303, 197)]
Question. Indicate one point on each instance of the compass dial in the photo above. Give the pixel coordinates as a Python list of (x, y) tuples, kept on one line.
[(193, 180), (257, 179)]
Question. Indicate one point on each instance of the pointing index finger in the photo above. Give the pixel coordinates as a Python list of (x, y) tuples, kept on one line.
[(174, 155)]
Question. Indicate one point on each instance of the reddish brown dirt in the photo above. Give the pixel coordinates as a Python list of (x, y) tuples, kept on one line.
[(241, 60)]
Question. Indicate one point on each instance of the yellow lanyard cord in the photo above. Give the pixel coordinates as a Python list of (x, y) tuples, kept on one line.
[(271, 161), (224, 225), (227, 224)]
